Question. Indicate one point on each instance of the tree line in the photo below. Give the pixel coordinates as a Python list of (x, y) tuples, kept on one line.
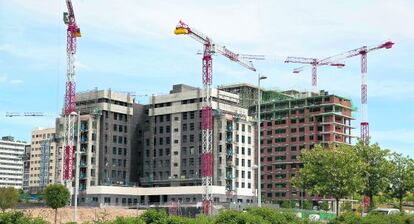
[(342, 171)]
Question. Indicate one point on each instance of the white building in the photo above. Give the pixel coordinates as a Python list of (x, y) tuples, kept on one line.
[(11, 163)]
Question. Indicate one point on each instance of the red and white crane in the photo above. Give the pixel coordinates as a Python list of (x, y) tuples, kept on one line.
[(69, 111), (314, 62), (363, 51), (206, 112)]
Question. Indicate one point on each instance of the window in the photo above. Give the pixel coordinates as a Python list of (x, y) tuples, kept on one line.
[(249, 150), (114, 151)]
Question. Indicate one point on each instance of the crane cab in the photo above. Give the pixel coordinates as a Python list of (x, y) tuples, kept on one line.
[(77, 32), (180, 30)]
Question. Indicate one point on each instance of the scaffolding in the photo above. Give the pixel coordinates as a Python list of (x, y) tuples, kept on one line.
[(44, 162)]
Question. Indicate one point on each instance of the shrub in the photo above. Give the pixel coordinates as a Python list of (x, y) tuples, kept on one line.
[(153, 216), (273, 216), (288, 204), (18, 218), (307, 205), (235, 217)]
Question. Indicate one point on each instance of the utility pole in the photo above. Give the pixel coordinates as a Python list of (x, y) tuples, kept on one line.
[(259, 181)]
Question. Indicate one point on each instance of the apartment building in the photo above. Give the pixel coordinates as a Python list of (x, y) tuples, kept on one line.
[(11, 163), (294, 124), (107, 124), (43, 159), (171, 154), (292, 121)]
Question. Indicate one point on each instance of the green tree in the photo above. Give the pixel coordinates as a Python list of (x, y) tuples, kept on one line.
[(331, 172), (9, 197), (377, 169), (56, 196), (402, 177)]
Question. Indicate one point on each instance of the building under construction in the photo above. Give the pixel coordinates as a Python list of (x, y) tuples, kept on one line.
[(106, 129), (292, 121)]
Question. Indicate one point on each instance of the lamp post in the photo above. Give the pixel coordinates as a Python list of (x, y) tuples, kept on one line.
[(77, 169), (259, 181)]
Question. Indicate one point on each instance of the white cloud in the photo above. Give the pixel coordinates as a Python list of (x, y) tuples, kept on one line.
[(15, 81), (5, 79)]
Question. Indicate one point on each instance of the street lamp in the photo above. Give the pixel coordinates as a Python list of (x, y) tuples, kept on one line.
[(259, 181), (77, 170)]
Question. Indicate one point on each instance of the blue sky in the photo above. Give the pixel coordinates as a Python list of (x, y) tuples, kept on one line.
[(129, 45)]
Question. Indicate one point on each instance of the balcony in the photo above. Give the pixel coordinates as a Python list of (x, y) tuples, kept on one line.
[(229, 139), (229, 128), (84, 140), (82, 175), (229, 176), (82, 187), (229, 152), (82, 164), (84, 128)]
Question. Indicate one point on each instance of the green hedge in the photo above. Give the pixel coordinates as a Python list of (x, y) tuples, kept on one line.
[(18, 218), (251, 216), (374, 219)]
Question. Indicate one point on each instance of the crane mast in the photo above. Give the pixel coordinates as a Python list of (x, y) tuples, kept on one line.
[(363, 51), (206, 110), (314, 62), (69, 111)]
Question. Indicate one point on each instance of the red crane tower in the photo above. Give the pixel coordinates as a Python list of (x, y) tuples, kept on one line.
[(206, 112), (69, 112), (314, 62), (363, 51)]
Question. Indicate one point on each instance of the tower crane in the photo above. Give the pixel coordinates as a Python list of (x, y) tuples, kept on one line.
[(69, 112), (314, 62), (363, 51), (206, 112)]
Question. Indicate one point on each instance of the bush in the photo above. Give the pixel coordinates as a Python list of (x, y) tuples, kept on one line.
[(235, 217), (18, 218), (307, 205), (155, 217), (273, 216), (350, 218), (288, 204)]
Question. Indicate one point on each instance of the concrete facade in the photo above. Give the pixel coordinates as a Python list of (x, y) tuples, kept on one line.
[(43, 159), (11, 163), (106, 129), (172, 143)]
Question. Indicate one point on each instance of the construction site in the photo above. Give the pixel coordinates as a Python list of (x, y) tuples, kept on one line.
[(197, 148)]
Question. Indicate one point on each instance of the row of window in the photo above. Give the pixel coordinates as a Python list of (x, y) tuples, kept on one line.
[(292, 139), (44, 136)]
